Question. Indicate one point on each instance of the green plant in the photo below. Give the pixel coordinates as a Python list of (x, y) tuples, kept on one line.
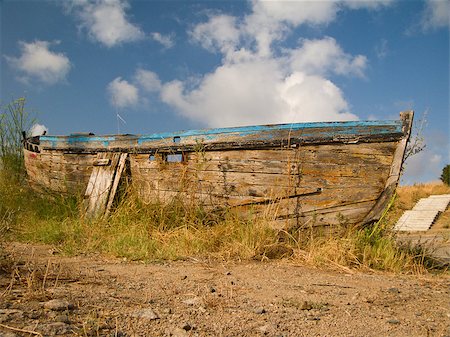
[(445, 176), (14, 119)]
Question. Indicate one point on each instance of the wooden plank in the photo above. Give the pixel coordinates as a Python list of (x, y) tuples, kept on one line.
[(264, 136), (117, 176), (396, 168), (270, 167), (340, 215), (335, 153), (99, 185), (251, 184), (102, 162)]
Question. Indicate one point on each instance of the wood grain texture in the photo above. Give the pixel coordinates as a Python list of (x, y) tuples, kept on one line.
[(313, 173), (344, 173), (101, 182)]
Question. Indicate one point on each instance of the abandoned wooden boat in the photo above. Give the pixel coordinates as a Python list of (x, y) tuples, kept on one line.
[(292, 174)]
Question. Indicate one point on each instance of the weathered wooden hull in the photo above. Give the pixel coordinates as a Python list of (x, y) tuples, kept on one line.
[(300, 174)]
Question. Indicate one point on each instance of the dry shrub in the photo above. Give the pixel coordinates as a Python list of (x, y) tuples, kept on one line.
[(409, 195), (182, 229), (367, 248)]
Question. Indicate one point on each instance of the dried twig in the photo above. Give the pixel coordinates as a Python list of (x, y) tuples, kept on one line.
[(20, 330), (46, 274)]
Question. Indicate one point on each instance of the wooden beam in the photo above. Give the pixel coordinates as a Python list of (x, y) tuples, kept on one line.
[(100, 184), (117, 176)]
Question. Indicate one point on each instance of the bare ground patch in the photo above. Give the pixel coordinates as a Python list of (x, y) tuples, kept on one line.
[(111, 297)]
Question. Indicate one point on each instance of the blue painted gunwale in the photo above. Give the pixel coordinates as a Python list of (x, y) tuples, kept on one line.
[(265, 132)]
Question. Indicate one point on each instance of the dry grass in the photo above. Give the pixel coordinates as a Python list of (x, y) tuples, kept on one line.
[(177, 230)]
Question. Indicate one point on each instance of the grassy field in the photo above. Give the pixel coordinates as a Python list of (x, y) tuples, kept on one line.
[(178, 231)]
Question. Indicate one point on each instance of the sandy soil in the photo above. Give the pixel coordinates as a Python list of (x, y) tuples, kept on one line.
[(48, 294)]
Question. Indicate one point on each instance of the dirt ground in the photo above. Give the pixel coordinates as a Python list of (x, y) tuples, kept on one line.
[(48, 294)]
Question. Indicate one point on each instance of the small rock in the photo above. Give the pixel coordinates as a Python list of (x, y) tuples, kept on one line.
[(393, 321), (259, 311), (355, 297), (34, 314), (147, 314), (306, 306), (313, 318), (394, 290), (267, 328), (62, 318), (58, 305), (56, 328), (192, 301), (184, 277), (178, 332), (10, 315), (187, 327), (212, 289), (228, 273)]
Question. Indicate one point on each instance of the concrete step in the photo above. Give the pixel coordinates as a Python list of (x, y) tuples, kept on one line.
[(434, 202), (423, 214), (416, 220)]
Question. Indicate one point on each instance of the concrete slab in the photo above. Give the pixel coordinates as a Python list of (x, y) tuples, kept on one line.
[(423, 214), (416, 220)]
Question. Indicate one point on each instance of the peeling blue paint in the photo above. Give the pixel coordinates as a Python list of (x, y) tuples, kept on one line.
[(261, 132)]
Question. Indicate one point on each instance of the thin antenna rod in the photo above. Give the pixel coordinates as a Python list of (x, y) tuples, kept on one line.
[(118, 122), (118, 117)]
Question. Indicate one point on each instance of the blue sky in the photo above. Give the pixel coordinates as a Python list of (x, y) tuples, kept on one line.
[(176, 65)]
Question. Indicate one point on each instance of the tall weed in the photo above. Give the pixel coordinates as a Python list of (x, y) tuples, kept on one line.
[(157, 231), (14, 119)]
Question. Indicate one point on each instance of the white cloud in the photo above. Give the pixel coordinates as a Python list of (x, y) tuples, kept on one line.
[(272, 20), (258, 80), (436, 14), (219, 33), (258, 83), (38, 130), (257, 92), (234, 94), (367, 4), (122, 93), (325, 55), (148, 80), (39, 63), (295, 12), (106, 21), (166, 40), (312, 98)]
